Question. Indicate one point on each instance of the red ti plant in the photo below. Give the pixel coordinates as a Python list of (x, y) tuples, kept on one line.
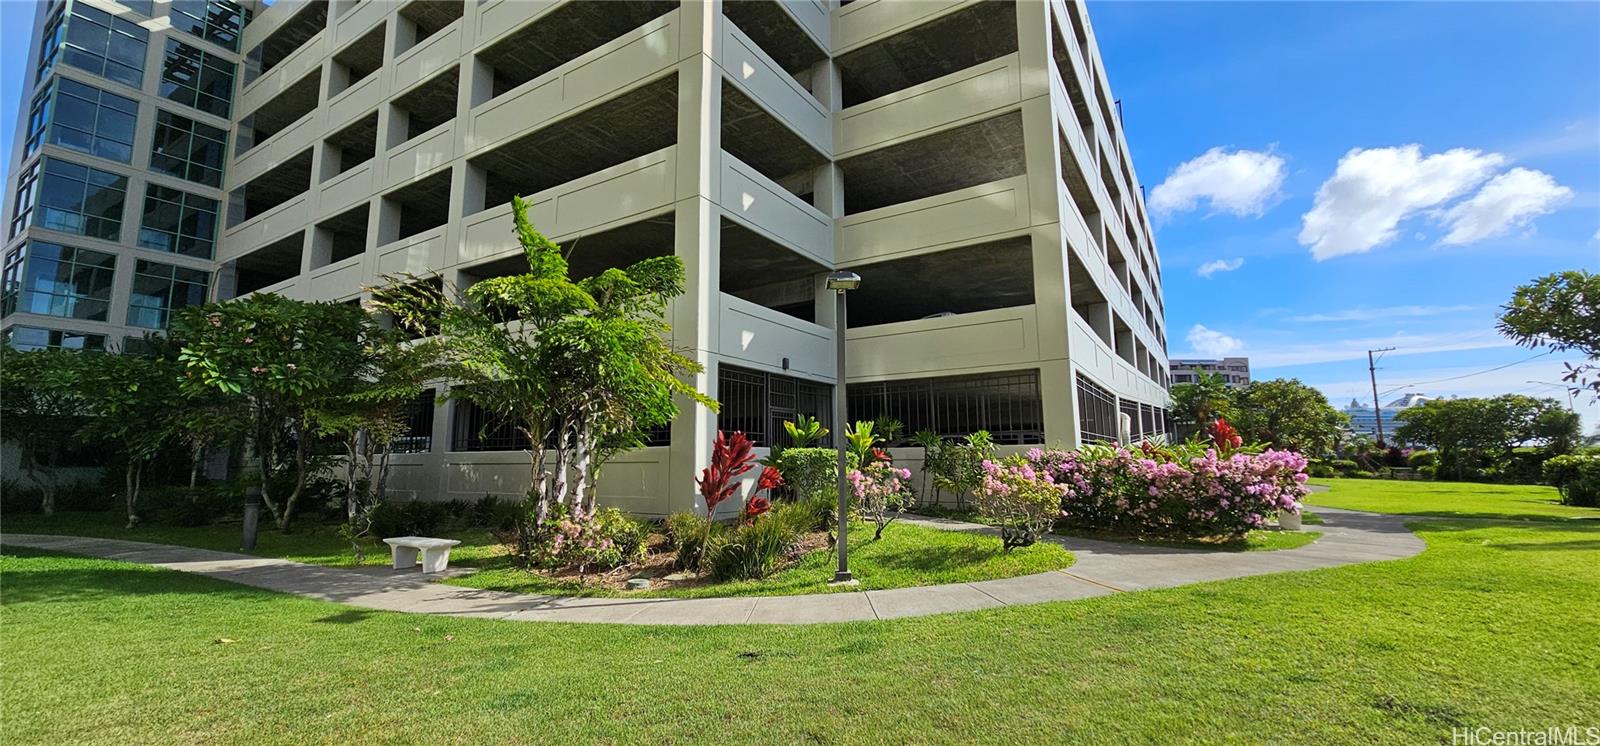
[(730, 459), (770, 480), (1224, 436)]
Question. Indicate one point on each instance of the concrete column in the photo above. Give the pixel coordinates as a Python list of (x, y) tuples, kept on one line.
[(697, 241)]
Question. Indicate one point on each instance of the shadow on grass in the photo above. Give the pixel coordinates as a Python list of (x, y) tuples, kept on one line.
[(36, 576), (345, 617)]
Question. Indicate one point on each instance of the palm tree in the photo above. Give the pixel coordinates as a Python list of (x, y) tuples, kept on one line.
[(1195, 405)]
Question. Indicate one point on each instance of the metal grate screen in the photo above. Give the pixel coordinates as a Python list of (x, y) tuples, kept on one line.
[(419, 426), (1008, 405), (1097, 412), (759, 403)]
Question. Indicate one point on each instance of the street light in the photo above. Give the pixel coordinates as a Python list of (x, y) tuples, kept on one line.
[(841, 282), (1570, 392)]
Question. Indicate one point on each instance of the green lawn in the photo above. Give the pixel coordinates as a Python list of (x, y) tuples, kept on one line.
[(1447, 499), (1493, 626), (312, 543), (905, 556)]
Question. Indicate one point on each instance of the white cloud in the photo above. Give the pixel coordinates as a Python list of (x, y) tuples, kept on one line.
[(1406, 343), (1508, 201), (1371, 191), (1212, 343), (1219, 265), (1376, 314), (1242, 182)]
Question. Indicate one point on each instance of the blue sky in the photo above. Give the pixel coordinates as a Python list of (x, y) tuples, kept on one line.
[(1287, 91), (1500, 100)]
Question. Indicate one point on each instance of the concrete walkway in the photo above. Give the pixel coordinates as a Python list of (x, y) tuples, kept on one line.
[(1102, 568)]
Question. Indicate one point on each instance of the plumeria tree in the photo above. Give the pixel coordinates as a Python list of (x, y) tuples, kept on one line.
[(40, 411), (370, 414), (581, 367), (134, 404), (277, 360)]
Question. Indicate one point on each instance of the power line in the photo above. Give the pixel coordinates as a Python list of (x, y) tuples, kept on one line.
[(1469, 375)]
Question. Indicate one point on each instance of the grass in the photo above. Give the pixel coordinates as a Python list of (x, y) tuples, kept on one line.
[(1492, 626), (309, 542), (906, 556), (1448, 499)]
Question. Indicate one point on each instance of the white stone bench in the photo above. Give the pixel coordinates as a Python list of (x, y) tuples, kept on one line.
[(435, 552)]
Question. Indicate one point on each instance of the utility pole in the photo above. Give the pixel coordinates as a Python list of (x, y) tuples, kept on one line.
[(1372, 372)]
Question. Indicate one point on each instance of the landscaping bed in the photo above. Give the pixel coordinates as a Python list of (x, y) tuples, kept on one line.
[(905, 556)]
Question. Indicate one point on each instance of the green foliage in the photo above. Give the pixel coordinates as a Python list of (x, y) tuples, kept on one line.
[(275, 361), (859, 441), (804, 431), (959, 467), (809, 472), (753, 550), (1195, 405), (1472, 434), (585, 365), (687, 530), (40, 411), (134, 404), (1420, 458), (1288, 415), (1561, 311), (1576, 477)]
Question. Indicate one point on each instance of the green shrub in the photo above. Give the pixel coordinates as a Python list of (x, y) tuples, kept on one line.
[(753, 550), (1421, 458), (180, 506), (1321, 470), (1522, 466), (686, 530), (1428, 472), (495, 514), (809, 472), (1348, 468), (415, 518), (1576, 477)]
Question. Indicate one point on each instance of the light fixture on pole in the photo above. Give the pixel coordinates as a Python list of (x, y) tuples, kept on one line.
[(840, 283), (1568, 390)]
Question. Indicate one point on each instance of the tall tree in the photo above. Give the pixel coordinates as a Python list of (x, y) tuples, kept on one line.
[(1561, 311), (40, 411), (278, 359), (134, 404), (1287, 414), (370, 414), (1195, 405), (582, 368), (1466, 431)]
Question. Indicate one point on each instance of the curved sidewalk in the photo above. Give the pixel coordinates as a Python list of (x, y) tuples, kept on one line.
[(1102, 568)]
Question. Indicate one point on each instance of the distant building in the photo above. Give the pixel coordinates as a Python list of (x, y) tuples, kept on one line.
[(1234, 370), (1363, 421)]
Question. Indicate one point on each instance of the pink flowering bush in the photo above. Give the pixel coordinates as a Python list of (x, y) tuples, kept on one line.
[(882, 492), (1184, 491), (586, 539), (1021, 496)]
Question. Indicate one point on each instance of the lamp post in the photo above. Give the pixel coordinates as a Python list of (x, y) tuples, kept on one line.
[(1570, 392), (840, 283)]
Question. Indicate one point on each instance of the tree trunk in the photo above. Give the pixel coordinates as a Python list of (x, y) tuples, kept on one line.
[(267, 457), (299, 480), (194, 468), (131, 489), (584, 445), (563, 461)]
